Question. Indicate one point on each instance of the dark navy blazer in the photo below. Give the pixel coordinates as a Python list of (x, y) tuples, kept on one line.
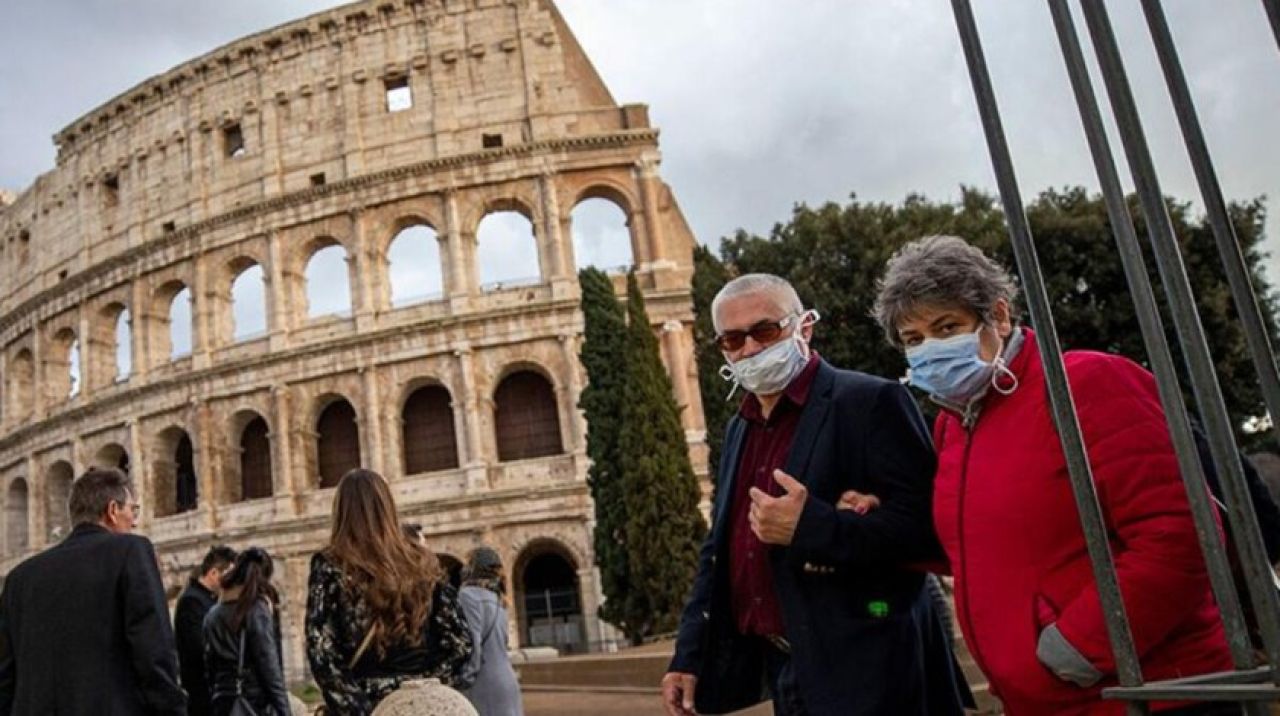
[(865, 638)]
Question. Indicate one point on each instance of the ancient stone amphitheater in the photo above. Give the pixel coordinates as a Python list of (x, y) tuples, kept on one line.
[(348, 240)]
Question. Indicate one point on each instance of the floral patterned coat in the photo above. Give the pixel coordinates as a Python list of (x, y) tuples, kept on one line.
[(337, 621)]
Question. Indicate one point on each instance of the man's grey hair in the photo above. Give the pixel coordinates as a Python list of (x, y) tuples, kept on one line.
[(783, 293), (93, 491), (939, 272)]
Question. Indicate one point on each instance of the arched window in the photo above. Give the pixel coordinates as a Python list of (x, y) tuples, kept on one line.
[(429, 440), (62, 367), (73, 365), (255, 460), (548, 598), (57, 495), (328, 283), (16, 534), (112, 455), (123, 346), (507, 251), (600, 236), (337, 442), (188, 487), (413, 264), (174, 470), (180, 324), (20, 386), (527, 417), (248, 304)]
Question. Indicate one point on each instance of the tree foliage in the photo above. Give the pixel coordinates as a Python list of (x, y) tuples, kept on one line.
[(834, 254)]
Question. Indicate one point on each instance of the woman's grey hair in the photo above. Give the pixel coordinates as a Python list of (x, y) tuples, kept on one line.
[(93, 491), (939, 271), (783, 293)]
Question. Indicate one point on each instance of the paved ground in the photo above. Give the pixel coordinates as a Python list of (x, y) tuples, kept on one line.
[(576, 703)]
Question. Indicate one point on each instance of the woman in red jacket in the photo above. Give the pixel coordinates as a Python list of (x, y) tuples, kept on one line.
[(1025, 595)]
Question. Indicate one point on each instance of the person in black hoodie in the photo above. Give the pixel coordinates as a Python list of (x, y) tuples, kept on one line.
[(241, 641), (188, 624)]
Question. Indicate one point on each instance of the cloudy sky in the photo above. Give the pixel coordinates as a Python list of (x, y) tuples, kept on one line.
[(761, 103)]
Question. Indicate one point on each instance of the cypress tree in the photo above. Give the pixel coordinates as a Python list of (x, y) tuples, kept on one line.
[(660, 492), (604, 334)]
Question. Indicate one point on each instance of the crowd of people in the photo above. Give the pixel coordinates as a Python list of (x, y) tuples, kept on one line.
[(85, 629), (836, 507)]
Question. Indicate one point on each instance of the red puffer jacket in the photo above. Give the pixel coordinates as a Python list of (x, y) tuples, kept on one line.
[(1004, 510)]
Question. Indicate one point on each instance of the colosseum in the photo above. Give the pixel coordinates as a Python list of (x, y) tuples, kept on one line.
[(347, 240)]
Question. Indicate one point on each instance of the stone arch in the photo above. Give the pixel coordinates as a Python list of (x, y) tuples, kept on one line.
[(58, 479), (337, 432), (112, 455), (254, 477), (526, 415), (602, 230), (414, 263), (429, 439), (62, 369), (326, 278), (16, 513), (172, 310), (112, 345), (175, 483), (507, 245), (248, 317), (20, 386), (548, 596)]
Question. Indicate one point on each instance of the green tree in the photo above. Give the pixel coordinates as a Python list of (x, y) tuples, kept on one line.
[(709, 275), (660, 493), (834, 254), (604, 335)]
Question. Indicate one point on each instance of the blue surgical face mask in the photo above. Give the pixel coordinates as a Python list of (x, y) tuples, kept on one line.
[(952, 368)]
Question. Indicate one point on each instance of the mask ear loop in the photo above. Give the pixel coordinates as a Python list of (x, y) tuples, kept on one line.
[(1002, 370), (727, 374)]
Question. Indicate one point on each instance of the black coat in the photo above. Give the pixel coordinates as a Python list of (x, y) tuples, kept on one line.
[(188, 629), (865, 638), (263, 679), (84, 629)]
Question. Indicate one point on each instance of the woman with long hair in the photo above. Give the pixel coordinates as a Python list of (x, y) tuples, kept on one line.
[(242, 640), (379, 612), (494, 690)]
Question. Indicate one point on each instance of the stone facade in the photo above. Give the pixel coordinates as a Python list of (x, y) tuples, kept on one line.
[(261, 153)]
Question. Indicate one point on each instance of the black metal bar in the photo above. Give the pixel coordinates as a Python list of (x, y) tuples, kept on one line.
[(1255, 330), (1204, 381), (1273, 14), (1063, 407), (1259, 675), (1197, 692), (1153, 337)]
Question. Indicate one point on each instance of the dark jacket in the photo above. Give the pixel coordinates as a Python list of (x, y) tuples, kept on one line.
[(188, 629), (338, 621), (84, 629), (262, 683), (864, 636)]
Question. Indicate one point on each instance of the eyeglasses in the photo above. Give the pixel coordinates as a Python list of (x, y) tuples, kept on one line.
[(762, 333)]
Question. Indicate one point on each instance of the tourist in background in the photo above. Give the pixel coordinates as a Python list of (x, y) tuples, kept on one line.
[(1003, 504), (379, 612), (494, 689), (194, 603), (242, 641), (84, 627)]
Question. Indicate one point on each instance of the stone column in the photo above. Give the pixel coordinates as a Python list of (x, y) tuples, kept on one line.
[(78, 462), (362, 268), (554, 256), (88, 356), (209, 470), (279, 315), (475, 461), (204, 300), (460, 285), (650, 190), (141, 472), (141, 326), (37, 506), (575, 431), (371, 430), (678, 370), (283, 481)]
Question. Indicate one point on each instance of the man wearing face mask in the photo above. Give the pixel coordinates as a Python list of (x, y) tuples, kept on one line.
[(795, 600), (1026, 598)]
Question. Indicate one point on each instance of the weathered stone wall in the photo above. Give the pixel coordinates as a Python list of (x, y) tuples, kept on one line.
[(146, 200)]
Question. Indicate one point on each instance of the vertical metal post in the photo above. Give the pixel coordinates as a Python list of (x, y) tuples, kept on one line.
[(1064, 416), (1224, 234), (1204, 380), (1153, 337)]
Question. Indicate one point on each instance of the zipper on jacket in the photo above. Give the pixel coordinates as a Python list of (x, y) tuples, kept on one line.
[(964, 478)]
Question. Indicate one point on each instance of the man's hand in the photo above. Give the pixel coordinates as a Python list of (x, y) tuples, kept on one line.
[(773, 519), (677, 693), (857, 502)]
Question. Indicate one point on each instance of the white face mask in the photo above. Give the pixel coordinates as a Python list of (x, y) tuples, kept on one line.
[(771, 370)]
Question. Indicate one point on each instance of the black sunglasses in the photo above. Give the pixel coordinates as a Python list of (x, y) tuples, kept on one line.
[(763, 332)]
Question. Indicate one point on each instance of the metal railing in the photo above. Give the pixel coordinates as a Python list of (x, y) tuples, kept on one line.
[(1251, 682)]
